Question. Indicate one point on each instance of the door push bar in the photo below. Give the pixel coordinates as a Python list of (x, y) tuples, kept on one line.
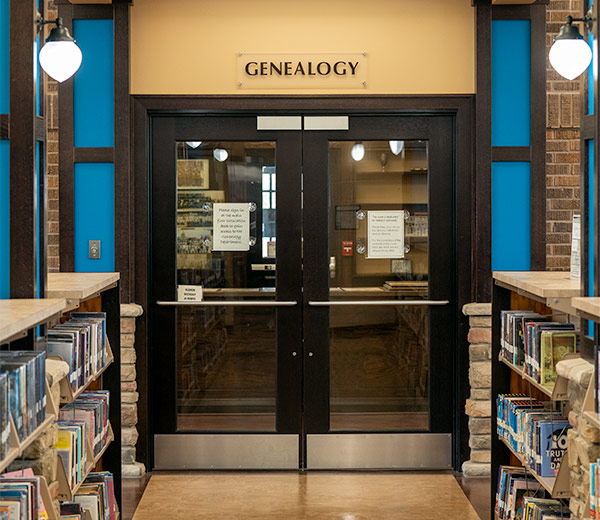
[(230, 303), (378, 302)]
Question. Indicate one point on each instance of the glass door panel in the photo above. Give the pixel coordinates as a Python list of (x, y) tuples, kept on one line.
[(378, 251), (226, 235)]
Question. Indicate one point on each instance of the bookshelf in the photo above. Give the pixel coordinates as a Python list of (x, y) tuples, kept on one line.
[(543, 292), (98, 292), (17, 318)]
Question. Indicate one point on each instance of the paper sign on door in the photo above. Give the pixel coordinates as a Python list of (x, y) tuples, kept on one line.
[(189, 293), (386, 234), (231, 226)]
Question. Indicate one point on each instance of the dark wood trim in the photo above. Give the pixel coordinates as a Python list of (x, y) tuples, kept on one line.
[(92, 12), (43, 217), (482, 238), (65, 158), (588, 129), (111, 381), (511, 153), (461, 106), (23, 236), (596, 174), (141, 275), (4, 126), (538, 137), (40, 129), (513, 12), (123, 195), (93, 155)]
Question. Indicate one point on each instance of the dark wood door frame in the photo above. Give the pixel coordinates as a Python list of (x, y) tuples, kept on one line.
[(459, 107)]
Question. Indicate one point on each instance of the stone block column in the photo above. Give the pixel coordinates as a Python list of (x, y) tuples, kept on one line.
[(129, 394), (479, 405), (583, 440)]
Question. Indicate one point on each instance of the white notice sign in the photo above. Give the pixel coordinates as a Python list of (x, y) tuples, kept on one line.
[(386, 234), (576, 248), (189, 293), (231, 231)]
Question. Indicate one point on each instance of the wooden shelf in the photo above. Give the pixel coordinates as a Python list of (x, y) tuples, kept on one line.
[(587, 307), (18, 315), (77, 287), (552, 288), (557, 487), (66, 392), (557, 393)]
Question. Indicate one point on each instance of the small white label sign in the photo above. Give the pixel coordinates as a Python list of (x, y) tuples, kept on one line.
[(576, 248), (231, 231), (189, 293), (386, 234)]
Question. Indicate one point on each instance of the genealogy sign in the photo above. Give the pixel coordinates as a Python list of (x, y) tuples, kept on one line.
[(302, 70)]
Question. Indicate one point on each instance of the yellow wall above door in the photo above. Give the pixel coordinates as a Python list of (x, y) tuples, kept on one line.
[(414, 47)]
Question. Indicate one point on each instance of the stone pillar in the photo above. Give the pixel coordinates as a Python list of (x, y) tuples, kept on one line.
[(129, 394), (479, 405), (583, 440)]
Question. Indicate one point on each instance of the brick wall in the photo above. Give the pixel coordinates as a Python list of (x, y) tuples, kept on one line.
[(52, 157), (562, 145)]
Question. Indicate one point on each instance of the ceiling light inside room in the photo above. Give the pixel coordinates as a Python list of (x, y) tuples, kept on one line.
[(358, 152), (220, 154)]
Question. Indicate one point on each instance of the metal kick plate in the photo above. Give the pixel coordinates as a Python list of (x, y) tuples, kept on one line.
[(177, 452), (380, 451)]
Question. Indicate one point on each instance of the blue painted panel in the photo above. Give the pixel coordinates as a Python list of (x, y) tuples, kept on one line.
[(4, 220), (94, 215), (4, 58), (591, 202), (38, 264), (511, 216), (93, 84), (511, 83)]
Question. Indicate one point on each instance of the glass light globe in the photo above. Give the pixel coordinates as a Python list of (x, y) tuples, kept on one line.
[(193, 144), (220, 154), (396, 147), (570, 57), (358, 152), (60, 59)]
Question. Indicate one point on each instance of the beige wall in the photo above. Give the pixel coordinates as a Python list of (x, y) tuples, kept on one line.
[(414, 46)]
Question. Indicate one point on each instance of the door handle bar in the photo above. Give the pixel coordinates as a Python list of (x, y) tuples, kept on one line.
[(378, 302), (229, 303)]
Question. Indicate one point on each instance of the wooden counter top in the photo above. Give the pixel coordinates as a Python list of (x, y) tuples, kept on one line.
[(588, 307), (79, 286), (544, 284), (17, 315)]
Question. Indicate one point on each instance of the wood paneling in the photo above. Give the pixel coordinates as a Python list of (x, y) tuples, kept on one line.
[(65, 157), (23, 188)]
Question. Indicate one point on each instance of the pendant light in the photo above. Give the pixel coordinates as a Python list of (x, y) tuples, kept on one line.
[(220, 154), (396, 147), (60, 57), (358, 152), (570, 54), (193, 144)]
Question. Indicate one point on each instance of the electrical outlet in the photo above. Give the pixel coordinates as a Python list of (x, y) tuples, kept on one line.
[(94, 250)]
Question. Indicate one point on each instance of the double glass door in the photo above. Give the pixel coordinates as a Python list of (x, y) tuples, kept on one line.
[(302, 289)]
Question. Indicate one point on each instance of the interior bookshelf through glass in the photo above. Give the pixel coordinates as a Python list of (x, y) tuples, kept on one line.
[(379, 355), (226, 356)]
